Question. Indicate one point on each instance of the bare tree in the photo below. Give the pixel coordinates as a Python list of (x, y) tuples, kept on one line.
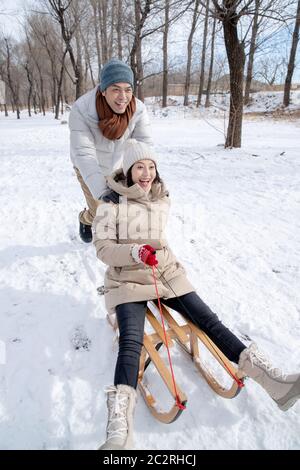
[(56, 50), (85, 39), (203, 55), (39, 28), (252, 50), (229, 16), (12, 79), (140, 16), (68, 18), (29, 67), (145, 19), (269, 19), (165, 54), (119, 29), (270, 69), (94, 5), (189, 53), (211, 64), (163, 15), (78, 63), (112, 27), (37, 58), (102, 12), (291, 64), (30, 81), (2, 78)]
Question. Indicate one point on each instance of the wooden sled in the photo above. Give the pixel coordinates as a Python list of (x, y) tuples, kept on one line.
[(188, 337)]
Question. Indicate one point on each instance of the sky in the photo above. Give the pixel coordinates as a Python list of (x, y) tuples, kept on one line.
[(13, 13)]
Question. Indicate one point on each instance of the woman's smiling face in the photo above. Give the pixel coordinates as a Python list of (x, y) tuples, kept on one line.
[(143, 173)]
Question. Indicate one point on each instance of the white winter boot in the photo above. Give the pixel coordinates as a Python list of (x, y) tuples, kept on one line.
[(121, 402), (283, 389)]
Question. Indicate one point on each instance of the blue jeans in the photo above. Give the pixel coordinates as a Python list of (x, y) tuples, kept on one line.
[(131, 321)]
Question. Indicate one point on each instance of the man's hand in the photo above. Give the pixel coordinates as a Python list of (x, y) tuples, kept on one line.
[(110, 196)]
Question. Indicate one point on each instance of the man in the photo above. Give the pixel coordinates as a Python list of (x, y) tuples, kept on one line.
[(100, 122)]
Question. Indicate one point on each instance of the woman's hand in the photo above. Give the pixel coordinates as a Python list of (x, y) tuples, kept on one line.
[(144, 254)]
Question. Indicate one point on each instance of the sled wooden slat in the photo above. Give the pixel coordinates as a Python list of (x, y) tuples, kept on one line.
[(162, 368), (180, 333), (194, 344), (163, 416), (158, 328), (195, 334), (215, 351)]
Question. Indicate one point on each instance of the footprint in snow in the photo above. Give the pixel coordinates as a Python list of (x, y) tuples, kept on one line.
[(80, 340)]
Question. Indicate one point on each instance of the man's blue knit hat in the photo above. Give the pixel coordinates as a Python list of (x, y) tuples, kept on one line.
[(115, 71)]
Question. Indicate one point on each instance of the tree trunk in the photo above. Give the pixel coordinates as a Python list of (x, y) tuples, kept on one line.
[(96, 30), (102, 10), (211, 65), (165, 55), (236, 60), (201, 85), (67, 32), (53, 68), (252, 52), (34, 104), (59, 86), (42, 93), (53, 91), (14, 89), (29, 103), (64, 85), (119, 29), (30, 88), (42, 97), (189, 55), (77, 65), (136, 63), (291, 65), (138, 47), (140, 72), (58, 98), (88, 63), (112, 29)]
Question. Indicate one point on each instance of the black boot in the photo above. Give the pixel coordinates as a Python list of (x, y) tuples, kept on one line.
[(85, 232)]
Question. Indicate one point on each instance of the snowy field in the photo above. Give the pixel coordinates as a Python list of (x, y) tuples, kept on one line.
[(234, 225)]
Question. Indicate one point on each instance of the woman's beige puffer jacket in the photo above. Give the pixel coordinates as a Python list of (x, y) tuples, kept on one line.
[(138, 219)]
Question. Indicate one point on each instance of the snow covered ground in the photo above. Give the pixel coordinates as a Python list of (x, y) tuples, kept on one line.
[(235, 226)]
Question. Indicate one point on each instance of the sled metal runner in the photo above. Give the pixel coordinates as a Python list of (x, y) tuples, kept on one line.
[(188, 337)]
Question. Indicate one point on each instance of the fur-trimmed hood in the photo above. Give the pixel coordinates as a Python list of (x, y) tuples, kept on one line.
[(117, 182)]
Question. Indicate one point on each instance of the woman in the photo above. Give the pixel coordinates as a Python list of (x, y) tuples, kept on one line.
[(129, 238)]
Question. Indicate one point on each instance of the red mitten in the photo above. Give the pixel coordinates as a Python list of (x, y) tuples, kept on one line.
[(145, 254)]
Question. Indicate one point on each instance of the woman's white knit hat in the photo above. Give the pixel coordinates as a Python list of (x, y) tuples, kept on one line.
[(134, 151)]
